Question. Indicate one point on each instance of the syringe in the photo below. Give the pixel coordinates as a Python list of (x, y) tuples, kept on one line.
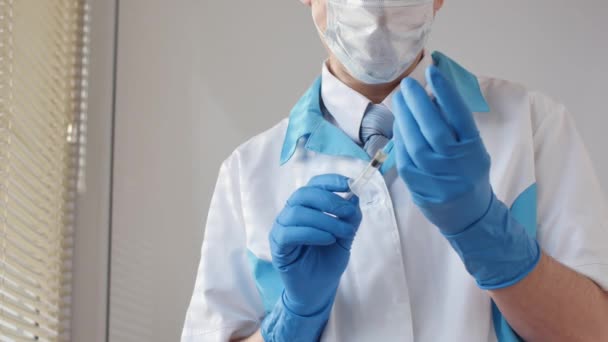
[(358, 183)]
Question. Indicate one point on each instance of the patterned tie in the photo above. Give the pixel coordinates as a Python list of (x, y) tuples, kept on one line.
[(376, 128)]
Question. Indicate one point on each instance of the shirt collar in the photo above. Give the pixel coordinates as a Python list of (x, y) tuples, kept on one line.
[(348, 107)]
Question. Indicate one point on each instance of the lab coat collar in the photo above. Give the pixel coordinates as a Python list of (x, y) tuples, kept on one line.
[(307, 121)]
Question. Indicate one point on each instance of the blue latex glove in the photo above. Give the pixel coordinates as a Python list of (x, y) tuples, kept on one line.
[(310, 244), (442, 159)]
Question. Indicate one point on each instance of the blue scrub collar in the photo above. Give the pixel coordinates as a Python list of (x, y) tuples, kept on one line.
[(307, 121)]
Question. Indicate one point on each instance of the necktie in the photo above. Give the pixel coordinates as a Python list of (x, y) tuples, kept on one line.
[(376, 128)]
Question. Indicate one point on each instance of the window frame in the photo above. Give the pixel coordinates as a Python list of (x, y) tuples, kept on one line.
[(93, 217)]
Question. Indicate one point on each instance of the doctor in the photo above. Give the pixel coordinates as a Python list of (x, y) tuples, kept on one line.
[(486, 223)]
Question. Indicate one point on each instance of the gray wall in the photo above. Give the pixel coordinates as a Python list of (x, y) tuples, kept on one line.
[(196, 78)]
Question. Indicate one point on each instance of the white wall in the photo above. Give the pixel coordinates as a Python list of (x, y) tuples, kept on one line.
[(196, 78), (556, 46)]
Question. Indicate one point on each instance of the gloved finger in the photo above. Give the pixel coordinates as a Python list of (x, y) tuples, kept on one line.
[(429, 118), (306, 217), (407, 129), (417, 180), (330, 182), (322, 201), (285, 238), (355, 219), (402, 157), (406, 168), (438, 164), (452, 105), (345, 243)]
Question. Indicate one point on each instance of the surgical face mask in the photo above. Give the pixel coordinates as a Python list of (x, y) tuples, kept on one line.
[(377, 40)]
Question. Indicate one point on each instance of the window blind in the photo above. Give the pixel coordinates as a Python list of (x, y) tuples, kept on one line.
[(43, 60)]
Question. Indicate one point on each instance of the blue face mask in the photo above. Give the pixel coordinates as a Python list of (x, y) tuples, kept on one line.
[(377, 41)]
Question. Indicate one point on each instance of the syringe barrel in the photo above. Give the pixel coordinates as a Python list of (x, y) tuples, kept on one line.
[(358, 183)]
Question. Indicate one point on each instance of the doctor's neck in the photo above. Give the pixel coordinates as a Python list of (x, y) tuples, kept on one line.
[(376, 93)]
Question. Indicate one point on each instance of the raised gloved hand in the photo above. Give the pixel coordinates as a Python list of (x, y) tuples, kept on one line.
[(310, 244), (442, 159)]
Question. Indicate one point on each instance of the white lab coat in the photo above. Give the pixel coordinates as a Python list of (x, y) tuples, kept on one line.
[(404, 282)]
